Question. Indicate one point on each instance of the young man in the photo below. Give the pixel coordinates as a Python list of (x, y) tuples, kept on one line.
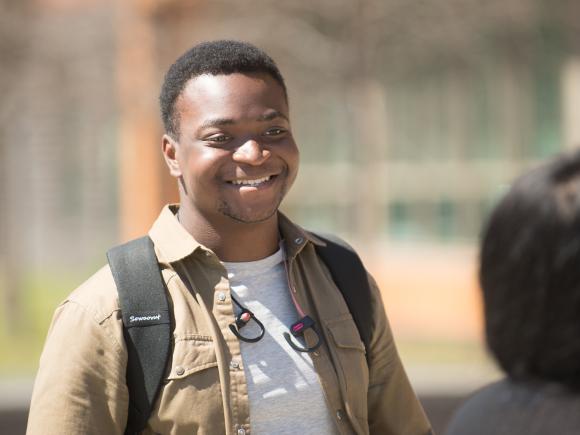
[(225, 249)]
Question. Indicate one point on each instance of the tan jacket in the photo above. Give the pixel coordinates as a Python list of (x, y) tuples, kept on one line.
[(80, 386)]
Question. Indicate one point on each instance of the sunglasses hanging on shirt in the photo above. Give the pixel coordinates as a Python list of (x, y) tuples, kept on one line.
[(297, 329)]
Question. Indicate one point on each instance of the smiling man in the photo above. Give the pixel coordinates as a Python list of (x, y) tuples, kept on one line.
[(262, 339)]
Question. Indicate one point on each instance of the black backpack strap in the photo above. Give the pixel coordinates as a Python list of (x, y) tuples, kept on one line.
[(350, 276), (146, 324)]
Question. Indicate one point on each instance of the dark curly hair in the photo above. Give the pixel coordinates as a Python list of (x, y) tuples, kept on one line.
[(215, 58), (530, 274)]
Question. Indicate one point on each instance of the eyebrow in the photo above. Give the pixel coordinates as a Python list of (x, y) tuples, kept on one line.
[(272, 115), (220, 122), (217, 122)]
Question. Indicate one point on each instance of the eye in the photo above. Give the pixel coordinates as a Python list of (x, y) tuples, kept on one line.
[(218, 138), (275, 131)]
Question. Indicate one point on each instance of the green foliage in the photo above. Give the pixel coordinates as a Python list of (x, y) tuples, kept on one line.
[(21, 344)]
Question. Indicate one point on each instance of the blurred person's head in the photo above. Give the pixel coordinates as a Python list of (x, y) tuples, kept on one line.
[(530, 274), (222, 57)]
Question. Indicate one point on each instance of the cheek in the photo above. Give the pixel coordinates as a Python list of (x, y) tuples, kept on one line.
[(202, 165)]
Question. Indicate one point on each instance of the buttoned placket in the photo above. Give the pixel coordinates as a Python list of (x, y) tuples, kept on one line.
[(223, 311)]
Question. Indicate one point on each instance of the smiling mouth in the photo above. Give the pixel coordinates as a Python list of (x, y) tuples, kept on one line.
[(253, 182)]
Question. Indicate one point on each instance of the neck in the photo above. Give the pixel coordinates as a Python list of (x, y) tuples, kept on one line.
[(232, 240)]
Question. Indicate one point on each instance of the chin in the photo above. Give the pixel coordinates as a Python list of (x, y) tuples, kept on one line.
[(247, 217)]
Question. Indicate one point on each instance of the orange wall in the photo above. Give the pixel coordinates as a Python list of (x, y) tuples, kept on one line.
[(430, 292)]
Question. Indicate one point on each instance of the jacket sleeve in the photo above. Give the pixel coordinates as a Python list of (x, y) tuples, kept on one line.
[(80, 385), (393, 407)]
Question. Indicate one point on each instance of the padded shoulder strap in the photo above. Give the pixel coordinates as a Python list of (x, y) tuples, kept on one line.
[(146, 322), (350, 276)]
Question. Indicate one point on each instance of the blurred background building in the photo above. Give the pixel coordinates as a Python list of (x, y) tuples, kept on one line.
[(412, 117)]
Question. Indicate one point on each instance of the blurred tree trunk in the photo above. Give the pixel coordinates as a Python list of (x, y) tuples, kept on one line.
[(139, 155)]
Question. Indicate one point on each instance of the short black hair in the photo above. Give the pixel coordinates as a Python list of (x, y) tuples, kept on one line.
[(215, 58), (530, 274)]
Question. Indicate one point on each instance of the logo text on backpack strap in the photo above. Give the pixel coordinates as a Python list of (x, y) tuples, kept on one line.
[(146, 318)]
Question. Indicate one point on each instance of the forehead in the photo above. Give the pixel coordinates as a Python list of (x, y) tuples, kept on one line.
[(233, 95)]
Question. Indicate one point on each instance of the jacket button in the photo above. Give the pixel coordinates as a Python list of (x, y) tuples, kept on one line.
[(298, 240), (339, 415), (234, 364), (221, 296), (179, 371), (241, 431)]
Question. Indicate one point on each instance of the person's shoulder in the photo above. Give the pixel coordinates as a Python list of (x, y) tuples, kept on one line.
[(97, 295), (509, 407), (487, 409)]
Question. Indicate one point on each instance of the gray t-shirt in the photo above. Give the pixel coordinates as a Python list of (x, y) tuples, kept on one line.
[(284, 392)]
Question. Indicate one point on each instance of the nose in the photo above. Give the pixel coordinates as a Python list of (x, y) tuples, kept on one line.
[(251, 153)]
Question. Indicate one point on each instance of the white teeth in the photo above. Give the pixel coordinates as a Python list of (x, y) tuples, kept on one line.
[(250, 182)]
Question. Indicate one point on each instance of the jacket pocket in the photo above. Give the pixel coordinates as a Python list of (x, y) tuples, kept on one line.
[(190, 400), (345, 334), (348, 352), (191, 354)]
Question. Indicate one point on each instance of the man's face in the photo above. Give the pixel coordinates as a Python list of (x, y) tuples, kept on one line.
[(236, 156)]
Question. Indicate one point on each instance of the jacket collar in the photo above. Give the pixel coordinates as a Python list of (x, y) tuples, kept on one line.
[(295, 237), (173, 242)]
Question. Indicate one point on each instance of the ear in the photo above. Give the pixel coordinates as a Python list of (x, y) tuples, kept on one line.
[(170, 150)]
